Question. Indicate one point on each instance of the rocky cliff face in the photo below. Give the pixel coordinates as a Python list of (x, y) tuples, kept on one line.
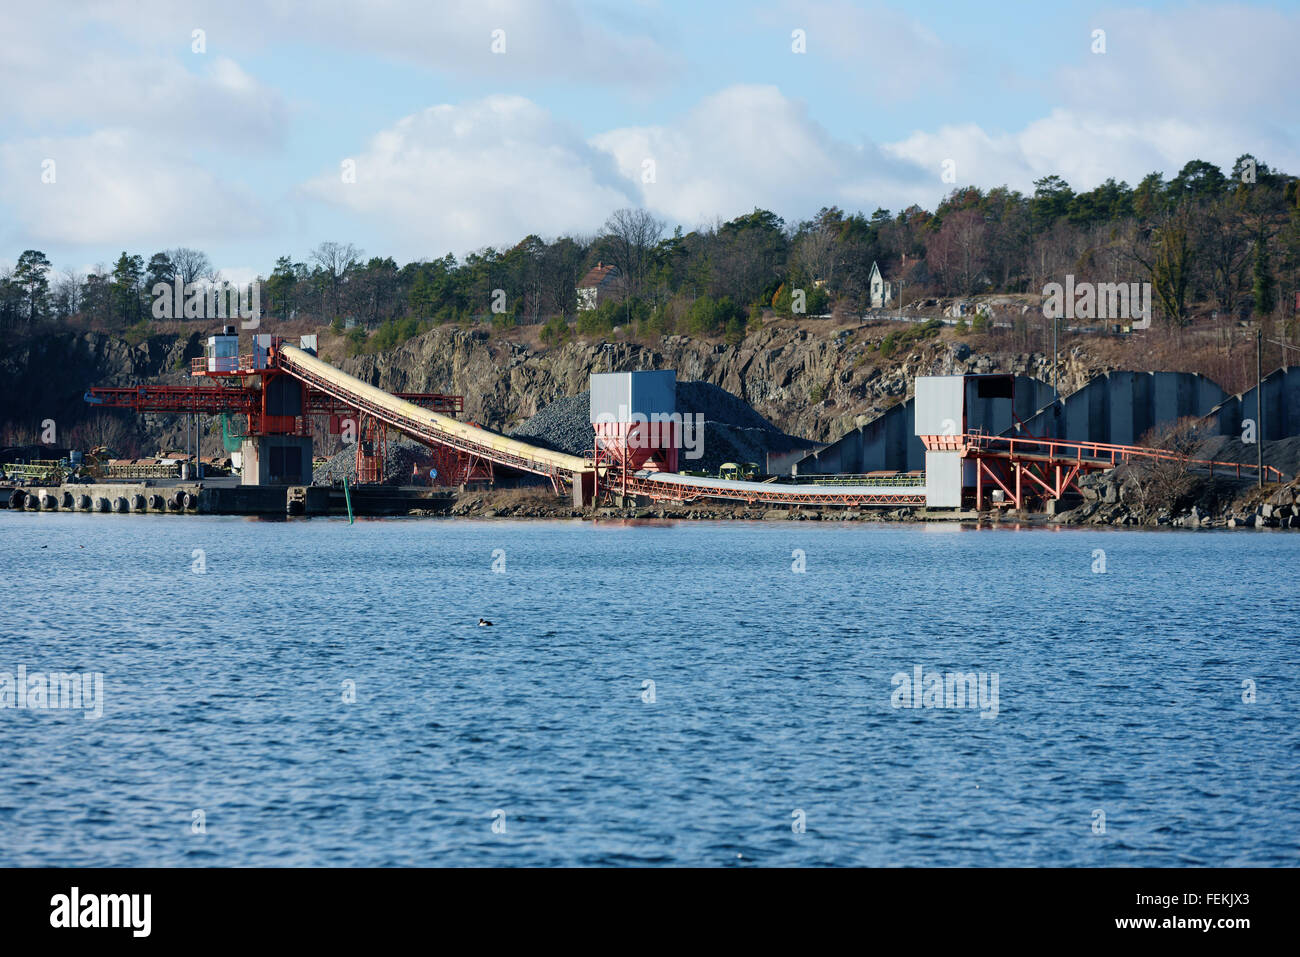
[(808, 385), (811, 385), (45, 377)]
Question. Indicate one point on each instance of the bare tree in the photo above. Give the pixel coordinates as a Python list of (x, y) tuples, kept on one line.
[(814, 254), (104, 429), (1167, 482), (561, 271), (190, 264), (335, 260), (631, 235), (67, 293)]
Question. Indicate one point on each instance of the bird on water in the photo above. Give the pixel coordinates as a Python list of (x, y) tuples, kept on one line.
[(484, 623)]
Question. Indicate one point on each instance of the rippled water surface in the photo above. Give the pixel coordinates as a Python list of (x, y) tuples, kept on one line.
[(1119, 693)]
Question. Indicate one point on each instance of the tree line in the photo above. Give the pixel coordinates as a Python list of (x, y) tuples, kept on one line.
[(1206, 240)]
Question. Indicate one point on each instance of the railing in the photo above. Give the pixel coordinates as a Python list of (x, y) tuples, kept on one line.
[(227, 365), (163, 398), (869, 480), (1067, 450), (417, 429), (771, 494), (215, 365)]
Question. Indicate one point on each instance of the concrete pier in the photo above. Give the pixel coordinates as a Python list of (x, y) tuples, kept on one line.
[(204, 498)]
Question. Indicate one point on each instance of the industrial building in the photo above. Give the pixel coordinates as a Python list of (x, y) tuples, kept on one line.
[(961, 441)]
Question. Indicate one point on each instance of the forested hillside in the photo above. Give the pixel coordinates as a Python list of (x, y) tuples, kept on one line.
[(1214, 245)]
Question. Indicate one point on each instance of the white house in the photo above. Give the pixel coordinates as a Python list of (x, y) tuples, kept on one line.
[(882, 290), (595, 287)]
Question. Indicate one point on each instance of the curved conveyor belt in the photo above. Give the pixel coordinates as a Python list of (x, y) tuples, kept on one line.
[(424, 425), (690, 486)]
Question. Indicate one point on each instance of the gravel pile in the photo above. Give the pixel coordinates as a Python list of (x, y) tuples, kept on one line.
[(562, 426), (733, 431), (719, 405), (1283, 454), (401, 455)]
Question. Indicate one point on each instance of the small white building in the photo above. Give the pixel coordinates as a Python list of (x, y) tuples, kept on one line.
[(882, 290), (597, 286)]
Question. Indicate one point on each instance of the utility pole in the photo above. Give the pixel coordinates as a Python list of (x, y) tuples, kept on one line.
[(1259, 404), (1056, 393)]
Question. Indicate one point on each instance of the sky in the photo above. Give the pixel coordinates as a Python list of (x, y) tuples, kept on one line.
[(413, 129)]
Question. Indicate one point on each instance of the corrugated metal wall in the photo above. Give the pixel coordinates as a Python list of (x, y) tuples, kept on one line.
[(615, 396)]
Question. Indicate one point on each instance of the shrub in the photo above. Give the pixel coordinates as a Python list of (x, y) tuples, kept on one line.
[(816, 299), (356, 338), (555, 331), (1169, 483), (661, 322), (709, 317), (599, 321), (138, 333)]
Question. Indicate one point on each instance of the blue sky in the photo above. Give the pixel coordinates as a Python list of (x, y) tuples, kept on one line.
[(237, 149)]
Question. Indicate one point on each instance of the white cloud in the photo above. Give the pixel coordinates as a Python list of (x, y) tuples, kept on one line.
[(56, 77), (1082, 148), (887, 51), (749, 146), (486, 172), (122, 119), (116, 188), (609, 44), (121, 104), (551, 40), (491, 171), (1153, 101), (1198, 62)]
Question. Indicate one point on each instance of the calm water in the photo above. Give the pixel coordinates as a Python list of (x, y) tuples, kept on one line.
[(773, 690)]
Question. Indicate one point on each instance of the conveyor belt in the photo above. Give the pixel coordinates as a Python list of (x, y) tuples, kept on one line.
[(687, 487), (427, 426), (423, 424)]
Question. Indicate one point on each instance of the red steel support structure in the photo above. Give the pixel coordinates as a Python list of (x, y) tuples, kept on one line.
[(248, 398), (459, 467), (624, 448), (1024, 466)]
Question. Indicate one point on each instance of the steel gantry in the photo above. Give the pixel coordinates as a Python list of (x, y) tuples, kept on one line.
[(1026, 467)]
